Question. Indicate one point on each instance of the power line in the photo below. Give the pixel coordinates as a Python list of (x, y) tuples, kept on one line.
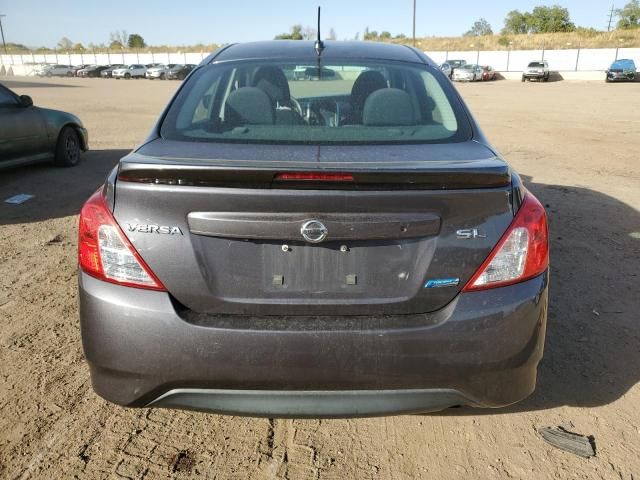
[(610, 18), (4, 45), (414, 23)]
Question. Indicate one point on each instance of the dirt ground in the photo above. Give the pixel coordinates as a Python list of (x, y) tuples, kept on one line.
[(577, 146)]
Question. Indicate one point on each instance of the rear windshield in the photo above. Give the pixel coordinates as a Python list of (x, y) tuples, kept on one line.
[(341, 103), (536, 64)]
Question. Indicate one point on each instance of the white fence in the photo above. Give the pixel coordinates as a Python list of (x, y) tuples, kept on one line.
[(576, 60), (102, 58)]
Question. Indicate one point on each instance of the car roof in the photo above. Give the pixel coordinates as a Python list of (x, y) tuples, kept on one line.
[(301, 49)]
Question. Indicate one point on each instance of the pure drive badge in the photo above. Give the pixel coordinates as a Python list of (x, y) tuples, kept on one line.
[(159, 229), (442, 282)]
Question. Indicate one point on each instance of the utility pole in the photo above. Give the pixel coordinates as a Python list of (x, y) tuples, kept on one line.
[(610, 18), (4, 45), (414, 23)]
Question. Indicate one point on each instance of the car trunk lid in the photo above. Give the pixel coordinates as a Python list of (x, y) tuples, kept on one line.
[(402, 234)]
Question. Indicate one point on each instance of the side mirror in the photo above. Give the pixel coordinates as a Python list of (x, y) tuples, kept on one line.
[(26, 101)]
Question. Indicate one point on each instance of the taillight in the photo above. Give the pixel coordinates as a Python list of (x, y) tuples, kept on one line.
[(522, 252), (104, 251)]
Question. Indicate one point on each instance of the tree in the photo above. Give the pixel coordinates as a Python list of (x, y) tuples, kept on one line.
[(136, 41), (118, 37), (370, 34), (479, 28), (332, 34), (65, 44), (629, 15), (309, 33), (551, 19), (541, 20), (385, 35), (78, 47), (115, 44), (516, 22), (296, 34)]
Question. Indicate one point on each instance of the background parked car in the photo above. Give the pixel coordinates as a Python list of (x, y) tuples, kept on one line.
[(621, 70), (92, 71), (159, 71), (109, 71), (132, 71), (488, 73), (31, 134), (537, 70), (56, 71), (77, 68), (446, 69), (179, 72), (468, 73), (455, 64)]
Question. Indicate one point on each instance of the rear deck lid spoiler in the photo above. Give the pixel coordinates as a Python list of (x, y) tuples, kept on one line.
[(439, 166)]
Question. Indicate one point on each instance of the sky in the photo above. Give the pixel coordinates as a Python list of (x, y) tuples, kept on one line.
[(186, 22)]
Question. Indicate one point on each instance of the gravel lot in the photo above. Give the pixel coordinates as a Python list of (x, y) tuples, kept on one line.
[(576, 144)]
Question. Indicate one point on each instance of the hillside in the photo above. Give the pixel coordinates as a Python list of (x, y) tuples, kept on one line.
[(549, 41)]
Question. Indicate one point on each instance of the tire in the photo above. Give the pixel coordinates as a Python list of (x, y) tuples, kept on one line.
[(127, 76), (162, 77), (69, 74), (68, 148), (523, 79)]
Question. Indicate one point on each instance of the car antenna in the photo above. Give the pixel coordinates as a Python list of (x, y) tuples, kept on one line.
[(319, 46)]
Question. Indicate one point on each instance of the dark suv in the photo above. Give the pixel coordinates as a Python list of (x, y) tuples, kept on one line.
[(623, 69), (287, 247)]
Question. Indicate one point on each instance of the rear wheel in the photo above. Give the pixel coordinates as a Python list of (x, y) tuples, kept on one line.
[(68, 148), (162, 76), (127, 76)]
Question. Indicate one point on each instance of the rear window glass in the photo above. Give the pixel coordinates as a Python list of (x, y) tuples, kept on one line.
[(341, 103), (536, 64)]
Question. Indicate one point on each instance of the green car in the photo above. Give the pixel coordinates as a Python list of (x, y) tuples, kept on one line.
[(31, 134)]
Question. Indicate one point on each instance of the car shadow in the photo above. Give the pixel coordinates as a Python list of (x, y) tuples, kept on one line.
[(591, 354), (554, 76), (58, 192), (13, 84)]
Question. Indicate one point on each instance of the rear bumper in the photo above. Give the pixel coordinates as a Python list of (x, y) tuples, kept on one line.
[(481, 350)]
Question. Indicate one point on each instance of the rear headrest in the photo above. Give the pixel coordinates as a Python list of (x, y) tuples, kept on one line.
[(388, 107), (366, 83), (273, 82), (249, 106)]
